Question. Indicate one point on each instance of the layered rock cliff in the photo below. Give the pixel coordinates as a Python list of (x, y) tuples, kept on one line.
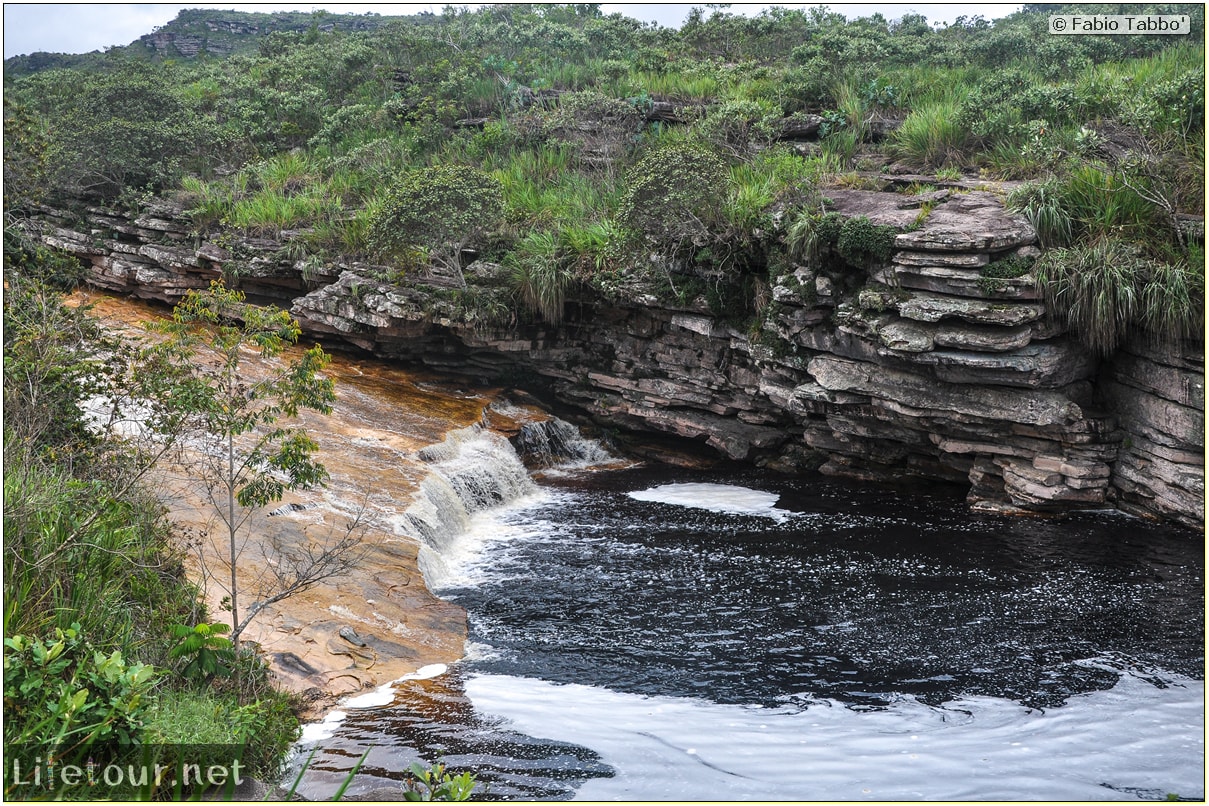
[(940, 363)]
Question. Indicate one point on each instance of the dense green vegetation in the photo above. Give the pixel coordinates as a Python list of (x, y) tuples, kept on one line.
[(587, 154), (96, 600), (390, 138), (601, 139)]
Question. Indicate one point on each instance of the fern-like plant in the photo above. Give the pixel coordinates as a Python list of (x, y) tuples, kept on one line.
[(209, 653)]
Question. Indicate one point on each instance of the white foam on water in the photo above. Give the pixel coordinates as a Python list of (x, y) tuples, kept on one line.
[(315, 732), (385, 693), (1134, 741), (726, 498), (460, 562)]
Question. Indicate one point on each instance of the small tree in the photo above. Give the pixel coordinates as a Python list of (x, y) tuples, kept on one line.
[(253, 459), (439, 211), (673, 195)]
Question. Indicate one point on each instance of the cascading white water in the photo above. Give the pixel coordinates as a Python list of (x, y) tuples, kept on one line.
[(653, 635), (472, 470)]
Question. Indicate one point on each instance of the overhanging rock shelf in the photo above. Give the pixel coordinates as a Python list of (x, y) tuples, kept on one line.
[(927, 367)]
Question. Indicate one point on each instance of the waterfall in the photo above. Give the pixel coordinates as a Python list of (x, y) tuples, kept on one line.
[(472, 470), (476, 469), (557, 442)]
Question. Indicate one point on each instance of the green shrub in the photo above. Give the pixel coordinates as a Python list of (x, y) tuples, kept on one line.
[(738, 126), (992, 275), (65, 701), (443, 209), (991, 109), (673, 195), (208, 653), (436, 784), (860, 242)]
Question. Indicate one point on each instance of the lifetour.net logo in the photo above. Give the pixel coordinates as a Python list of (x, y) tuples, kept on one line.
[(138, 770)]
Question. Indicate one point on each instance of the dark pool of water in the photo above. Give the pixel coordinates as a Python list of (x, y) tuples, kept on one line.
[(861, 595), (857, 595)]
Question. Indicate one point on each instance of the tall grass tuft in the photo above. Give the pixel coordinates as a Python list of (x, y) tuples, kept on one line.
[(589, 246), (1104, 288), (1087, 204), (540, 276), (931, 136), (1041, 203), (1102, 203), (271, 211), (1173, 298), (1092, 289), (207, 203)]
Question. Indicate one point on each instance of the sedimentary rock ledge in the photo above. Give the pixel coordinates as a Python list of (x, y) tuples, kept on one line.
[(924, 367)]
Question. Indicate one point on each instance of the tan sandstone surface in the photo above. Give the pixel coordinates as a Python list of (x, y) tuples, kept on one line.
[(377, 621)]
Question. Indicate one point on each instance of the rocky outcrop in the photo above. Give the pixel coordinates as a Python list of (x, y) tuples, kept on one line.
[(1159, 394), (938, 363)]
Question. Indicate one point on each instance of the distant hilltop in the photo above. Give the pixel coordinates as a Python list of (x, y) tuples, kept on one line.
[(205, 32)]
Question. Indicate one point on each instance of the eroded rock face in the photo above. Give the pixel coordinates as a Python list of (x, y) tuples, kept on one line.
[(929, 369), (1159, 394)]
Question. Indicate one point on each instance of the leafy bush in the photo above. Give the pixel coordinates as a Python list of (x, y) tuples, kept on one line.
[(208, 653), (992, 275), (65, 701), (128, 127), (861, 242), (597, 127), (435, 784), (738, 126), (991, 109), (672, 196), (443, 210)]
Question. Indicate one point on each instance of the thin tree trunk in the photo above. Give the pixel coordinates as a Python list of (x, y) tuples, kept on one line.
[(231, 531)]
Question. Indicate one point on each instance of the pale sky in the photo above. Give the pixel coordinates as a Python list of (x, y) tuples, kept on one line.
[(85, 27)]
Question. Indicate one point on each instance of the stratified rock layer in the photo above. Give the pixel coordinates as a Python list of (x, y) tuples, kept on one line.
[(926, 366)]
